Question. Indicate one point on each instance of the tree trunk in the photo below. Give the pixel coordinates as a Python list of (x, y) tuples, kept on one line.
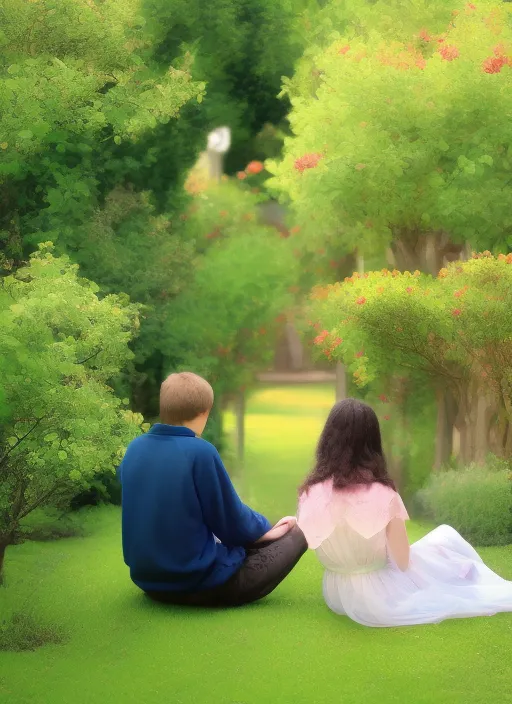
[(294, 347), (483, 420), (3, 547), (476, 422), (341, 382), (427, 252), (446, 411)]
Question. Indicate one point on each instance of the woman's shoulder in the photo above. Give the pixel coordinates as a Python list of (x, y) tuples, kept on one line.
[(366, 508), (369, 509), (368, 493)]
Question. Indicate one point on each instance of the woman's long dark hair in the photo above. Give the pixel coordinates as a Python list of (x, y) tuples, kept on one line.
[(350, 449)]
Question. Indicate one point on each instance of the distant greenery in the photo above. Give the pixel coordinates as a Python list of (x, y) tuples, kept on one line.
[(476, 501)]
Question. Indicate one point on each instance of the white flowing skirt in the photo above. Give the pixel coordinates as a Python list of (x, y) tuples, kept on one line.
[(446, 579)]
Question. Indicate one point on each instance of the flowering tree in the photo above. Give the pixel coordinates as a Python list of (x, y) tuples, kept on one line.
[(394, 151), (60, 348), (454, 330)]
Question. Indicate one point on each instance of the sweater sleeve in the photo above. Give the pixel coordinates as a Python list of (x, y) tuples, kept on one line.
[(233, 523)]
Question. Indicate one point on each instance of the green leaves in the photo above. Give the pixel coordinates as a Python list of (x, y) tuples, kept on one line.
[(457, 327), (61, 422), (389, 99), (223, 324)]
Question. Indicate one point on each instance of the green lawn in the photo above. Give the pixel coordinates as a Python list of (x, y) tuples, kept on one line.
[(288, 649)]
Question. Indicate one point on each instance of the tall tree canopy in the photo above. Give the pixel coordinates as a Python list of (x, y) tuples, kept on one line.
[(394, 150)]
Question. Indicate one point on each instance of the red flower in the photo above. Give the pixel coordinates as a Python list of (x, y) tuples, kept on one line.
[(456, 312), (327, 353), (344, 49), (359, 354), (387, 417), (254, 167), (383, 398), (321, 338), (361, 301), (241, 175), (470, 6), (449, 53), (337, 342), (308, 161), (494, 64), (457, 294), (263, 331), (409, 289), (425, 36)]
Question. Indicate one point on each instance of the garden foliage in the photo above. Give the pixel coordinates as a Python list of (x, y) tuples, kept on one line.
[(392, 151), (60, 346), (453, 331), (476, 501)]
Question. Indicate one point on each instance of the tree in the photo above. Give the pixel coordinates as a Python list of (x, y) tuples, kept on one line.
[(78, 83), (224, 322), (60, 348), (103, 111), (453, 330), (395, 152), (242, 48)]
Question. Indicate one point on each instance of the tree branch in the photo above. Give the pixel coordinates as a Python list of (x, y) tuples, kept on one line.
[(94, 354), (20, 440), (38, 502)]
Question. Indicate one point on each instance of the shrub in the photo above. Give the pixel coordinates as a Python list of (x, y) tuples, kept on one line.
[(50, 524), (475, 501), (22, 631), (60, 347)]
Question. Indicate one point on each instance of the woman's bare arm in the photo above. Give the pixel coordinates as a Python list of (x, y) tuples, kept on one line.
[(398, 543)]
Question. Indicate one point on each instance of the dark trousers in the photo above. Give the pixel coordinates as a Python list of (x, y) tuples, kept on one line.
[(265, 567)]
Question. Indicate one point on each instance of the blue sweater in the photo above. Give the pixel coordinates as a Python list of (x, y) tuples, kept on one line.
[(176, 497)]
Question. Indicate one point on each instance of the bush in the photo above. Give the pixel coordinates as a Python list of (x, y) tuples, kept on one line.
[(50, 524), (25, 632), (476, 501), (60, 347)]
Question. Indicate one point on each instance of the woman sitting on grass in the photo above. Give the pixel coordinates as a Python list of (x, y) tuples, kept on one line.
[(352, 516)]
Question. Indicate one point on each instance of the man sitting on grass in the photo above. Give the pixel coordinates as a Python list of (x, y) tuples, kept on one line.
[(187, 537)]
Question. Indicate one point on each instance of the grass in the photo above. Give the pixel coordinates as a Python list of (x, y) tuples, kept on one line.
[(288, 649)]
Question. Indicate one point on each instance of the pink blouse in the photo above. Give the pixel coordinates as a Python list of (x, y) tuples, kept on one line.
[(367, 509)]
